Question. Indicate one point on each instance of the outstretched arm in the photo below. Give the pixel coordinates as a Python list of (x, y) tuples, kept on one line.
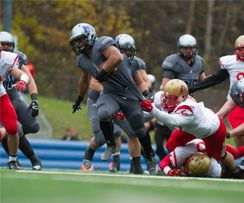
[(212, 80)]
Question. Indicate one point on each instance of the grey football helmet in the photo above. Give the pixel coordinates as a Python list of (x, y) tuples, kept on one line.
[(7, 41), (187, 41), (83, 36), (126, 45), (239, 93)]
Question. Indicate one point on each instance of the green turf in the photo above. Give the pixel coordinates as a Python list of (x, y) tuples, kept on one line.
[(59, 114), (75, 186)]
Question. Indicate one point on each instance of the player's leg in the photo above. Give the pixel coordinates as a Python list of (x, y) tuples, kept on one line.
[(162, 134), (107, 106), (28, 125), (8, 118)]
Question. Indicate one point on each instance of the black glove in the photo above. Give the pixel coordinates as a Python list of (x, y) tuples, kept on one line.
[(227, 135), (77, 104), (34, 107)]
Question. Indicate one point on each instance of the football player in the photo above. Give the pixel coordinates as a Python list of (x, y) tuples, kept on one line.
[(192, 120), (99, 57), (236, 99), (9, 63), (126, 45), (232, 67), (26, 114), (185, 65)]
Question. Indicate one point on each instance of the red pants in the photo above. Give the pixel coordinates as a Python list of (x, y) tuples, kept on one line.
[(214, 142), (8, 115), (236, 117)]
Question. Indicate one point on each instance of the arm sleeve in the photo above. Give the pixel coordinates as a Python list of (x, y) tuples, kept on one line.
[(172, 120), (212, 80), (165, 164)]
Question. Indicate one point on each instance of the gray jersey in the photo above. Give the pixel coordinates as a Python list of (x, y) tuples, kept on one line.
[(114, 84), (175, 67), (137, 64)]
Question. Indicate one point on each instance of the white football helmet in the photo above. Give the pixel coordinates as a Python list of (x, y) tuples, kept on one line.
[(175, 92), (7, 41), (126, 45), (239, 48), (187, 46), (198, 165), (83, 36)]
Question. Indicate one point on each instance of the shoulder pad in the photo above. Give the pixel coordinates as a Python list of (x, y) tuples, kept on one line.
[(22, 58), (104, 42), (141, 63), (170, 61)]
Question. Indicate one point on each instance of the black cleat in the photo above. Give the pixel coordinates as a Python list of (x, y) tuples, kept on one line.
[(14, 165)]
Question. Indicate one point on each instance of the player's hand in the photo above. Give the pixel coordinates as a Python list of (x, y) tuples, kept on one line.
[(20, 86), (77, 104), (118, 116), (34, 107), (174, 172), (146, 105)]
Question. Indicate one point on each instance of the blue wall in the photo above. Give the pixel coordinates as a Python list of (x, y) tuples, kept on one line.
[(67, 155)]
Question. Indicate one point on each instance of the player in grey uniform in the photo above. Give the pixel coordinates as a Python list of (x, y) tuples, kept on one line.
[(185, 65), (102, 60), (98, 139), (26, 114), (236, 99), (126, 45)]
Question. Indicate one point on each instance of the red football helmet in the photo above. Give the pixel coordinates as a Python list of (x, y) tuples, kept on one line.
[(239, 48)]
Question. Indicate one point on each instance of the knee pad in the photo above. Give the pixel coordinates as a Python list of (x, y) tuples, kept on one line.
[(104, 115), (99, 138), (34, 128), (140, 132), (95, 125)]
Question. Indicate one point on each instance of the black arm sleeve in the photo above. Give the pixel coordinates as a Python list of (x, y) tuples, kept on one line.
[(212, 80)]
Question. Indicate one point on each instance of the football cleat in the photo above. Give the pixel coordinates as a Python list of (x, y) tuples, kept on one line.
[(14, 165), (114, 167), (87, 165), (152, 166), (108, 153)]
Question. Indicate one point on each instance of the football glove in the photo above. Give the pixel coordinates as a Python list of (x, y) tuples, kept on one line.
[(146, 105), (34, 107), (77, 104), (20, 86)]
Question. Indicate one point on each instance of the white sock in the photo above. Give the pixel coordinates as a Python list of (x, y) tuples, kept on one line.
[(12, 158)]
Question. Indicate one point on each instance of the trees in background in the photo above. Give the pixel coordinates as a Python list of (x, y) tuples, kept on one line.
[(43, 29)]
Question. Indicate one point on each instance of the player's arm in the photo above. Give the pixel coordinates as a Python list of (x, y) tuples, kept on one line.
[(95, 85), (145, 78), (82, 90), (237, 131), (226, 108), (202, 76), (138, 79), (32, 88), (212, 80), (113, 59)]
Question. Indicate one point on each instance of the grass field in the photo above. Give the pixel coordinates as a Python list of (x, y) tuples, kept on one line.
[(56, 186)]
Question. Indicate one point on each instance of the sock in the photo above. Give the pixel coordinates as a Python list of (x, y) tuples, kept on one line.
[(89, 154), (116, 160), (4, 144), (26, 148), (107, 129), (12, 158), (147, 146), (136, 163)]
